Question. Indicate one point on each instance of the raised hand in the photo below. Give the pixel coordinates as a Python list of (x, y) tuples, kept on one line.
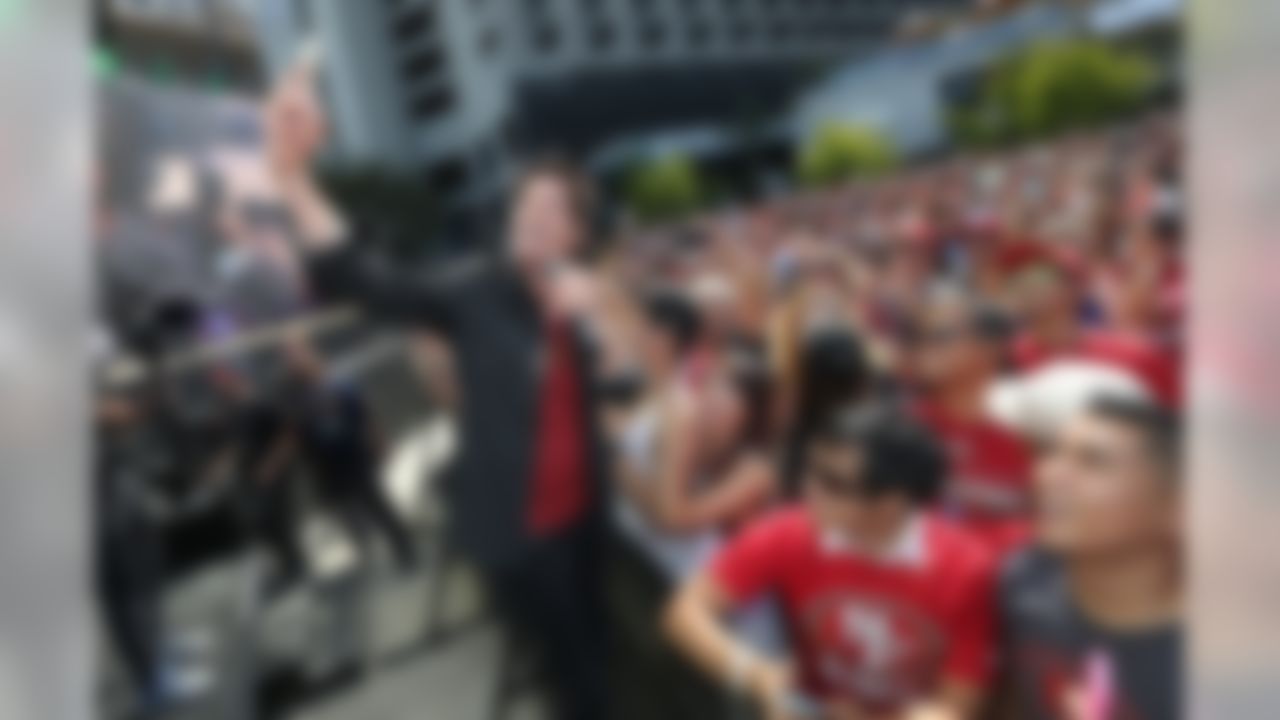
[(295, 123), (296, 129)]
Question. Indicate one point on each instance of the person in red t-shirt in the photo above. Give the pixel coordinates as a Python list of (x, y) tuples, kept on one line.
[(889, 609), (958, 355), (1049, 307)]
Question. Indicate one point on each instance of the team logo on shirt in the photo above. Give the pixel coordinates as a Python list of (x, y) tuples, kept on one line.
[(1058, 683), (873, 648)]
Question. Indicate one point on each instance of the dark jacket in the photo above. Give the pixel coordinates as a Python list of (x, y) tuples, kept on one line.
[(487, 313)]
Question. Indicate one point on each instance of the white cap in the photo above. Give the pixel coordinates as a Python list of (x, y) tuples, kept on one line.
[(1037, 404)]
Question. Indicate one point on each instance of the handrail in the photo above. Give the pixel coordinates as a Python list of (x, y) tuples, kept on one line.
[(128, 370)]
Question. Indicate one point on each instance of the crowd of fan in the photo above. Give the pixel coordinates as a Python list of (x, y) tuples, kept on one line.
[(946, 289), (928, 348)]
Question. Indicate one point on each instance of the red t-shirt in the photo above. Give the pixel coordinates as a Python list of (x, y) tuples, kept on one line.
[(989, 486), (1158, 370), (559, 493), (880, 632)]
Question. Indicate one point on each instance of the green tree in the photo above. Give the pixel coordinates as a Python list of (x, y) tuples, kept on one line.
[(839, 151), (665, 189), (1051, 87), (396, 209), (1074, 84)]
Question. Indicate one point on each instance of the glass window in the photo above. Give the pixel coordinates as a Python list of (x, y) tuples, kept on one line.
[(423, 63), (546, 39), (413, 24), (653, 35), (700, 34), (432, 103), (603, 36)]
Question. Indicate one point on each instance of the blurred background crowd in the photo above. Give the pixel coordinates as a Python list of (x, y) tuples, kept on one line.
[(970, 214)]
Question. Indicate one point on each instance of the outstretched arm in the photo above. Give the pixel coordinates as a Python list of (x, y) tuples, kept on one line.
[(296, 130)]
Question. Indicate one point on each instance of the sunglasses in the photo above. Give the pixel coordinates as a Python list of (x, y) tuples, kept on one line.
[(840, 484)]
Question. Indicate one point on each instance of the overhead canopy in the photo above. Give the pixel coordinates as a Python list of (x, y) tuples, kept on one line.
[(701, 141), (1122, 16), (901, 91), (584, 113)]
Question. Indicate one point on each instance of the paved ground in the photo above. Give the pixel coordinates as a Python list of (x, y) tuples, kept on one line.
[(315, 632), (306, 641), (453, 685)]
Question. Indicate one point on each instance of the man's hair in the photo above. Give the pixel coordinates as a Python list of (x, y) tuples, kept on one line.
[(1161, 429), (834, 364), (582, 191), (900, 456), (982, 319), (676, 315)]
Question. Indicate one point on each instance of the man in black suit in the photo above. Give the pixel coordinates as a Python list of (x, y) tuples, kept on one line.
[(527, 492)]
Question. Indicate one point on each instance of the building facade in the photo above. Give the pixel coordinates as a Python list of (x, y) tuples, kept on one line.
[(207, 44), (457, 89)]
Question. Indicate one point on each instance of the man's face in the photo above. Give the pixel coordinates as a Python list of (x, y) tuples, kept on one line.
[(835, 493), (1100, 490), (948, 349), (544, 229), (1041, 294)]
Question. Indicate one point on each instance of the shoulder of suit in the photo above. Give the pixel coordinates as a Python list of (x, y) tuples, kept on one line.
[(463, 270)]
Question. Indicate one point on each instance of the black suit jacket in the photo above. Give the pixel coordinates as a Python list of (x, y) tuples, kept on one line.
[(488, 314)]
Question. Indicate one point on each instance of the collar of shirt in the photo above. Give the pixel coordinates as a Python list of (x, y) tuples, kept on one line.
[(909, 549)]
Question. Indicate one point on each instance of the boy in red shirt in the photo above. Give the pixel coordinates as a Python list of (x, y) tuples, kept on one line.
[(958, 356), (889, 610)]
